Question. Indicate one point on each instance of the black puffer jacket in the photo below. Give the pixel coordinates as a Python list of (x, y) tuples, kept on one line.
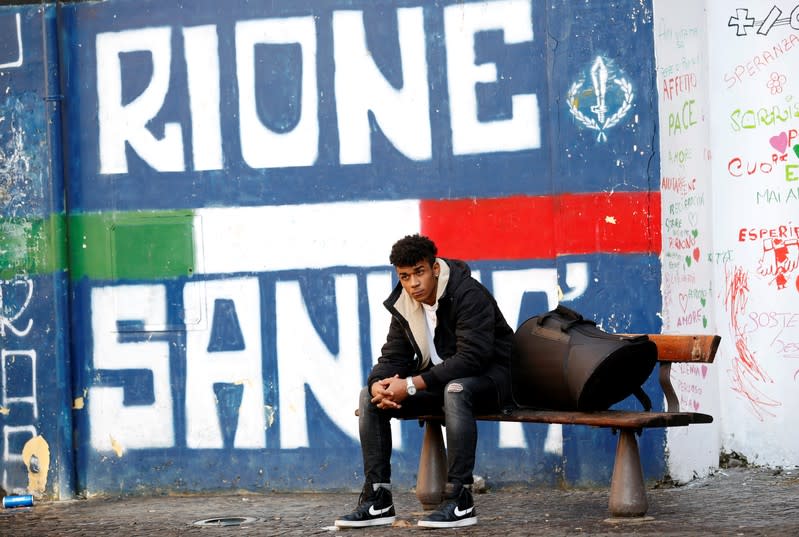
[(472, 337)]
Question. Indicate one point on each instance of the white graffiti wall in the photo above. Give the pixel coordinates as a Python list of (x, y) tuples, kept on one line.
[(729, 143)]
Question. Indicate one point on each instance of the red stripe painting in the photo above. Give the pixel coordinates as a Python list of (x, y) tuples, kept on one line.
[(542, 227)]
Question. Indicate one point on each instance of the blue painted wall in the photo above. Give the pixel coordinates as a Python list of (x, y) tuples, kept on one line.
[(34, 319), (228, 122)]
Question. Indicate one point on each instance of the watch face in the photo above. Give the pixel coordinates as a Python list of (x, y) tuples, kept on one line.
[(411, 388)]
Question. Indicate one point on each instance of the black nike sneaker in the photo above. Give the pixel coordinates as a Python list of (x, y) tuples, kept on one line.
[(375, 508), (455, 511)]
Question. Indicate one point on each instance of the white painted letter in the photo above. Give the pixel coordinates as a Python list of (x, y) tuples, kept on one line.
[(469, 134), (260, 146), (113, 424), (202, 71), (206, 367), (304, 359), (120, 123), (403, 114)]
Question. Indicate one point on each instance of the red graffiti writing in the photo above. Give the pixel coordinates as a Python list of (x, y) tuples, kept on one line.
[(779, 232), (676, 85), (780, 258), (681, 185), (736, 167), (681, 243), (745, 374)]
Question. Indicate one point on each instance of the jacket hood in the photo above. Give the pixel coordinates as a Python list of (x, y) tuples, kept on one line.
[(402, 304)]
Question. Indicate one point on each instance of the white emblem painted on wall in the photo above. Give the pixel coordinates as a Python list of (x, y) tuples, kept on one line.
[(607, 90)]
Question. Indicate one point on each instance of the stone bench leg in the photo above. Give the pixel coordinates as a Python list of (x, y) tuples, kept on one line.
[(627, 491), (432, 474)]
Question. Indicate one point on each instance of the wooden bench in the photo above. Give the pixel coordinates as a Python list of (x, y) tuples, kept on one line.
[(627, 491)]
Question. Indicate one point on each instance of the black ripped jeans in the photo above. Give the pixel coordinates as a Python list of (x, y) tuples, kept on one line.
[(460, 401)]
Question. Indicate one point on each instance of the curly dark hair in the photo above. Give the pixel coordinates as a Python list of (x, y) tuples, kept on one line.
[(411, 249)]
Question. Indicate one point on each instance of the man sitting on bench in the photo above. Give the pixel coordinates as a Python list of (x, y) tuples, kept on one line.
[(448, 349)]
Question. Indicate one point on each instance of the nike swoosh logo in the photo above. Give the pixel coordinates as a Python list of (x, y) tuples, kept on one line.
[(459, 513), (376, 512)]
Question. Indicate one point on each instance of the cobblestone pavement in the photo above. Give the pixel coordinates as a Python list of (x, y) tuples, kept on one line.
[(743, 501)]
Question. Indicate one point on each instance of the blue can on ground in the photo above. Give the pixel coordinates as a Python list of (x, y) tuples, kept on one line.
[(24, 500)]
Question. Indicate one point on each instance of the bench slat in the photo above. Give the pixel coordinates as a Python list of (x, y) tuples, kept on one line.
[(619, 419), (686, 348)]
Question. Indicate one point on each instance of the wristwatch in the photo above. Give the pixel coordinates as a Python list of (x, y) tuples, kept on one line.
[(411, 388)]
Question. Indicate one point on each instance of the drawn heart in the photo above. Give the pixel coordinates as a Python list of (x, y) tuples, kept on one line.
[(688, 260), (696, 405), (683, 302), (703, 301), (796, 149), (704, 371), (704, 321), (697, 254), (695, 232), (779, 142)]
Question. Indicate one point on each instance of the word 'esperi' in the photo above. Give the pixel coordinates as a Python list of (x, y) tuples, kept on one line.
[(779, 232)]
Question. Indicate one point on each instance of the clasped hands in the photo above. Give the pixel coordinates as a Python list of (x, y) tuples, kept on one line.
[(389, 392)]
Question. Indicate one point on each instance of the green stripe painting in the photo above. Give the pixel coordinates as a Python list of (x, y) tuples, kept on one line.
[(140, 245), (30, 246)]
